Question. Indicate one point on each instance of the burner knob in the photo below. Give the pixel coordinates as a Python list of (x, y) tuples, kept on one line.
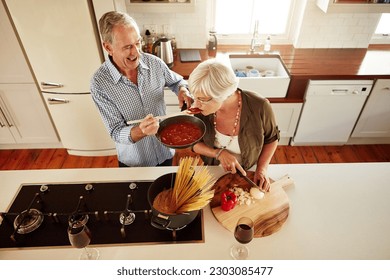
[(44, 188), (89, 187), (132, 186)]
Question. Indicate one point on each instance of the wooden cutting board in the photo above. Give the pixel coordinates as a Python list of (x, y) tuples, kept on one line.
[(268, 214)]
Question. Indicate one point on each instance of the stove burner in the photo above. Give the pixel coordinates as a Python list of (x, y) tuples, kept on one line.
[(27, 222), (126, 219)]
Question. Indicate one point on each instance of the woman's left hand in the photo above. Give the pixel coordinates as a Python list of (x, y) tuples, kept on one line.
[(262, 180)]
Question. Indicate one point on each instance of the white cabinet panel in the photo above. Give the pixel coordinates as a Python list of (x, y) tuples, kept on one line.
[(13, 66), (374, 120), (25, 115), (79, 137), (60, 41), (287, 115)]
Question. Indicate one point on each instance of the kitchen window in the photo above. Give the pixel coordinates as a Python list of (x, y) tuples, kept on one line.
[(382, 32), (383, 27), (234, 20)]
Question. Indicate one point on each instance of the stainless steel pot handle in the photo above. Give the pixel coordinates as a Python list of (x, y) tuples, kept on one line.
[(159, 223)]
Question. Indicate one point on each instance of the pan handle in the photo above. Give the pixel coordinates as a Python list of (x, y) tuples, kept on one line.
[(159, 222)]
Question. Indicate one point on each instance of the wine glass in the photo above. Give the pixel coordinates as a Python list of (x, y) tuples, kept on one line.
[(80, 236), (243, 233)]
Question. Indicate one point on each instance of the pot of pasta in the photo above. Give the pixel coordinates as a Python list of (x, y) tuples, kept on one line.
[(177, 198)]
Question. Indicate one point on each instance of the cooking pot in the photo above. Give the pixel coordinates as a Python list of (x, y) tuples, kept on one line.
[(164, 50), (162, 220), (181, 119)]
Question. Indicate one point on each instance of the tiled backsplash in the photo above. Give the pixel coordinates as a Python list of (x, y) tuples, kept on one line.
[(335, 30), (317, 29)]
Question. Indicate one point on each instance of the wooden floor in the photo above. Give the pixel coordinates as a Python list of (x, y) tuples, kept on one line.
[(58, 158)]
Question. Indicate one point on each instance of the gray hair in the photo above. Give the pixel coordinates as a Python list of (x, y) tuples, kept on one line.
[(111, 19), (213, 78)]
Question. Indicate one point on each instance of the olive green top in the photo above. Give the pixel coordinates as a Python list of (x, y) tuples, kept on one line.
[(257, 127)]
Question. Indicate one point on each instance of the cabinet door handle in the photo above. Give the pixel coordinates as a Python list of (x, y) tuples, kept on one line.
[(2, 117), (386, 88), (50, 84), (6, 116), (53, 100)]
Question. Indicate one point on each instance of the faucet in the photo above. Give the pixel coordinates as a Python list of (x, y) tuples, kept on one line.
[(255, 38)]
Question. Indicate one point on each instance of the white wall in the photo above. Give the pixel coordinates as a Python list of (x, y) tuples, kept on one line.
[(190, 29), (312, 28), (334, 30)]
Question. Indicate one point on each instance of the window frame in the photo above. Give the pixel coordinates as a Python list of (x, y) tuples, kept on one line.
[(244, 39)]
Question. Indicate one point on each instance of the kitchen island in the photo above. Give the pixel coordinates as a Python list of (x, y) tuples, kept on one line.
[(337, 211)]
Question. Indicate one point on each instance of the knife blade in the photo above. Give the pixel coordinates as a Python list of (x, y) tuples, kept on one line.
[(246, 178)]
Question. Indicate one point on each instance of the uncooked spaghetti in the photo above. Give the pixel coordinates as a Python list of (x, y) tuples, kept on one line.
[(191, 191)]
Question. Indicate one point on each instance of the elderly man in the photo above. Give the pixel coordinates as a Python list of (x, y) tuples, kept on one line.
[(130, 85)]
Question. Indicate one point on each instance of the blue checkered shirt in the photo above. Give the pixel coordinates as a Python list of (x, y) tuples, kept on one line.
[(119, 100)]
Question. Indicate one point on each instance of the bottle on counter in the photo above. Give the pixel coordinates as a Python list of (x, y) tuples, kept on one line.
[(212, 43), (267, 44), (174, 46), (149, 41)]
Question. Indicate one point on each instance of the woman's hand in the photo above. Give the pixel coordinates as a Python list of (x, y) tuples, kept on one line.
[(229, 162), (262, 180)]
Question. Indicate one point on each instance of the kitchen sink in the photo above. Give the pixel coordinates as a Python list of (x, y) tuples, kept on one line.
[(264, 74)]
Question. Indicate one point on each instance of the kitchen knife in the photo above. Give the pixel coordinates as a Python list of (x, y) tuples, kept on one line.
[(246, 178)]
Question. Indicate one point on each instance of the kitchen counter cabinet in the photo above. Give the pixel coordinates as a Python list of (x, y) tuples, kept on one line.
[(23, 117), (337, 211), (24, 120), (374, 120)]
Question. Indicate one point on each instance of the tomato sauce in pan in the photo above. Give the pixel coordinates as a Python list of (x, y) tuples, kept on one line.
[(179, 134)]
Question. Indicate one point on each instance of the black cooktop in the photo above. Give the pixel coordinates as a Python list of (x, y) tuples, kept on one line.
[(103, 202)]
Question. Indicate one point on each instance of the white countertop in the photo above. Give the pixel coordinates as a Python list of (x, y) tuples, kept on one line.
[(337, 211)]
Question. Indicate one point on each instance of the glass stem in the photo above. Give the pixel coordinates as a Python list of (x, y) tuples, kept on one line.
[(89, 255)]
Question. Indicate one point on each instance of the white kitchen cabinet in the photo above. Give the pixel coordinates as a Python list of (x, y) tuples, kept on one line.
[(350, 6), (24, 120), (62, 44), (286, 115), (23, 116), (60, 40), (374, 120), (85, 138), (13, 65)]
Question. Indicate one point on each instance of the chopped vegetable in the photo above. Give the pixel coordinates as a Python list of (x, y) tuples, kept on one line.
[(256, 193)]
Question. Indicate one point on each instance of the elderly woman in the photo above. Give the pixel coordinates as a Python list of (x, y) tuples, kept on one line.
[(241, 130)]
